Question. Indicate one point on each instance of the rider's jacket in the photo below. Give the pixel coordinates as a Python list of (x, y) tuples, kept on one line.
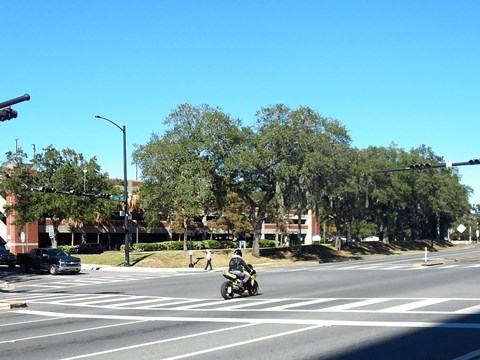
[(238, 264)]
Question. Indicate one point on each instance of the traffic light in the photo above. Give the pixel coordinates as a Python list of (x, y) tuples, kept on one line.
[(7, 114), (45, 190), (420, 166), (474, 161)]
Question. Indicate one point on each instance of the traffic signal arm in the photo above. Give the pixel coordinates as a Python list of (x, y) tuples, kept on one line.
[(78, 193), (425, 166), (17, 100)]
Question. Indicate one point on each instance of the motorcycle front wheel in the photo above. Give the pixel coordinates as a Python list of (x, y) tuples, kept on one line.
[(227, 290), (253, 290)]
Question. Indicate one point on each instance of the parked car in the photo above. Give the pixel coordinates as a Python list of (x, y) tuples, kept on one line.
[(371, 238), (7, 258), (88, 248), (53, 260)]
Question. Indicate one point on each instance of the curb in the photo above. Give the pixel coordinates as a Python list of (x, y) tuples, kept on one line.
[(428, 263), (8, 305), (95, 267)]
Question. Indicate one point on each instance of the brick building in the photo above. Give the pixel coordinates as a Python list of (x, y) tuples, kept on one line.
[(111, 233)]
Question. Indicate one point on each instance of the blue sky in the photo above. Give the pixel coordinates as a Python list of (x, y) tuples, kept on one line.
[(400, 71)]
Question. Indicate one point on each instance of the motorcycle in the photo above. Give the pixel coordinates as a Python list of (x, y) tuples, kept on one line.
[(233, 285)]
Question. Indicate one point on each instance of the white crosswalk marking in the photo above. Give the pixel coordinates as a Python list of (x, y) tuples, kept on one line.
[(239, 305), (258, 304), (300, 304), (413, 305), (165, 302), (189, 307), (355, 304), (469, 310), (85, 279), (109, 300), (380, 267)]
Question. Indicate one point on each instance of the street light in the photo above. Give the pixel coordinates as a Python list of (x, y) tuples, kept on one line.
[(125, 190), (299, 244)]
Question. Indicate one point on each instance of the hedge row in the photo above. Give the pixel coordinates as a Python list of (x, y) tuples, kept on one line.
[(195, 245), (178, 245)]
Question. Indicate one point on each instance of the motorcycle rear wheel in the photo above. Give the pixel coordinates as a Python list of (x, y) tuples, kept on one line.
[(227, 290)]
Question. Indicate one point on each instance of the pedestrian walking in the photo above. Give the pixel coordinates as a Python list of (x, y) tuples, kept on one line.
[(209, 260)]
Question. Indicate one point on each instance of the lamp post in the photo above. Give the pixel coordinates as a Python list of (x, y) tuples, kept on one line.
[(84, 180), (299, 214), (125, 190)]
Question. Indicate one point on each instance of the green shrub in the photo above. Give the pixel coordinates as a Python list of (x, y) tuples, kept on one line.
[(267, 243), (178, 245), (122, 247), (67, 248), (148, 247), (217, 244)]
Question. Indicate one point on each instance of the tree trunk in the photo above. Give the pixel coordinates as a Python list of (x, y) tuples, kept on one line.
[(256, 246), (338, 243), (257, 231)]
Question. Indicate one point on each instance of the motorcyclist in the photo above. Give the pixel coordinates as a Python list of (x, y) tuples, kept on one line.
[(239, 267)]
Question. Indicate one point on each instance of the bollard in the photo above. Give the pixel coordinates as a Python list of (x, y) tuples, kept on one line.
[(190, 254)]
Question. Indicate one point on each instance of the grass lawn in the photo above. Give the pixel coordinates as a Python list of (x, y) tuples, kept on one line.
[(269, 257)]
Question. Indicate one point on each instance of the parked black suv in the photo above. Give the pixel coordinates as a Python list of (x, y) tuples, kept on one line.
[(7, 258), (54, 260), (88, 248)]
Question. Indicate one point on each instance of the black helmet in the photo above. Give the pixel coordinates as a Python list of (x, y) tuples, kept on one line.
[(238, 252)]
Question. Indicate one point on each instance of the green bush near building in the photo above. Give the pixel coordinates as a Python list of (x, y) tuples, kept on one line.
[(191, 245)]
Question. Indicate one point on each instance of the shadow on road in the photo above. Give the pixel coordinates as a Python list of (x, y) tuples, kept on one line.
[(446, 340)]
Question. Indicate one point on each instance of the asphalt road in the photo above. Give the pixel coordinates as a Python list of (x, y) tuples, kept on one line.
[(385, 308)]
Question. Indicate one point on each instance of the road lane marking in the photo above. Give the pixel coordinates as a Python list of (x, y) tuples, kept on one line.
[(245, 304), (300, 304), (413, 305), (469, 310), (470, 356), (241, 343), (255, 304), (110, 299), (169, 302), (449, 266), (145, 300), (298, 269), (157, 342), (202, 304), (276, 321), (26, 322), (355, 304), (69, 332), (74, 299)]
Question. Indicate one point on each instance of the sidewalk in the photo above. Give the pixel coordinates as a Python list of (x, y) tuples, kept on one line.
[(139, 269)]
